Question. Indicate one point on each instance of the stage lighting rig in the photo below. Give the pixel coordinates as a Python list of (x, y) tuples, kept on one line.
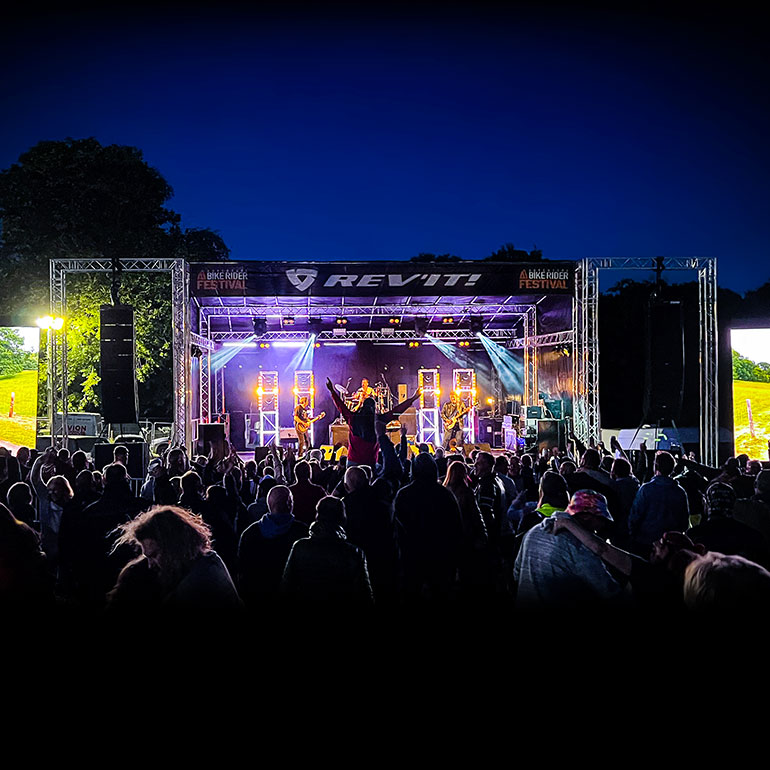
[(289, 320), (342, 321), (260, 326), (421, 326), (477, 325)]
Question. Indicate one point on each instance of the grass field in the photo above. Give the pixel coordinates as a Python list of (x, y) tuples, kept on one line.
[(19, 429), (759, 395)]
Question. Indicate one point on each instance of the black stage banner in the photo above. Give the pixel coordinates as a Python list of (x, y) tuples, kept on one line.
[(386, 279)]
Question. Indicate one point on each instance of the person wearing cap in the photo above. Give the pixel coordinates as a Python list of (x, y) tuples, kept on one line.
[(154, 469), (557, 570), (660, 506), (656, 584), (721, 532)]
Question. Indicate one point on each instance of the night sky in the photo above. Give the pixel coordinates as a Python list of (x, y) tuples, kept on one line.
[(380, 135)]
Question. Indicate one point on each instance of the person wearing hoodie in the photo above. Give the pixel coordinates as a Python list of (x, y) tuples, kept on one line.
[(264, 548), (431, 534), (324, 570)]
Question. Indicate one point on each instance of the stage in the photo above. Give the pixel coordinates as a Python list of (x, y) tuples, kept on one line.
[(495, 338)]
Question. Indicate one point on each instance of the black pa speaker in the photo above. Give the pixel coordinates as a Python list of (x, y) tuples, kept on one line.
[(211, 436), (138, 457), (238, 430), (664, 370), (117, 351), (550, 433), (260, 453)]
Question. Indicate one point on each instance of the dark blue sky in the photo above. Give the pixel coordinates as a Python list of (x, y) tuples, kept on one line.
[(348, 136)]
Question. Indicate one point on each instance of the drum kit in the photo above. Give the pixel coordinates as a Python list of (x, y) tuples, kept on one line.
[(383, 398)]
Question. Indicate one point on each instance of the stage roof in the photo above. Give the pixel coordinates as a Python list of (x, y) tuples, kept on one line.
[(309, 296)]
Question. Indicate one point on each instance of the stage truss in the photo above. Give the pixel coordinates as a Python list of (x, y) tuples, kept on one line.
[(180, 331), (585, 405), (583, 337)]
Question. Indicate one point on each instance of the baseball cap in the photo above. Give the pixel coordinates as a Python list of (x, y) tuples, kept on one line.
[(590, 502)]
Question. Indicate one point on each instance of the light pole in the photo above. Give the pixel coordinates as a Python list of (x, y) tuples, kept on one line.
[(52, 325)]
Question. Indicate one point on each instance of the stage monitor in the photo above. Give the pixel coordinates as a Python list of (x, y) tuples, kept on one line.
[(751, 391), (19, 348)]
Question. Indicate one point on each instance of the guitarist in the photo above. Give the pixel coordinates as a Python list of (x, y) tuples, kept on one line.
[(452, 415), (302, 425)]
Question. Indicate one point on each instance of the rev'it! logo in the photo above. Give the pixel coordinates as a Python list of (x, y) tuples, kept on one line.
[(301, 278)]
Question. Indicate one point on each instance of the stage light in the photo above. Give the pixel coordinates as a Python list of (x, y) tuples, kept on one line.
[(394, 320), (50, 322), (289, 320), (318, 344), (421, 326), (260, 391), (341, 321), (414, 344), (447, 320), (490, 400), (260, 326), (295, 391), (477, 325)]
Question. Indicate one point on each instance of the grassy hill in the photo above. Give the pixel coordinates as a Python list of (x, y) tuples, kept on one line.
[(759, 395), (19, 429)]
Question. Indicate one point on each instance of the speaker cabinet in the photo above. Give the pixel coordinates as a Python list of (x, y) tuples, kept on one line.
[(491, 430), (117, 352), (138, 457), (238, 430), (409, 418), (550, 433), (260, 453), (664, 370), (211, 438), (338, 434)]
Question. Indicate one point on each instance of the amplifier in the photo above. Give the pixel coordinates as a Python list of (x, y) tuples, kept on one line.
[(338, 434)]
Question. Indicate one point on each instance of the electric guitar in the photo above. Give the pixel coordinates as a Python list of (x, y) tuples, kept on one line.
[(302, 426), (448, 423)]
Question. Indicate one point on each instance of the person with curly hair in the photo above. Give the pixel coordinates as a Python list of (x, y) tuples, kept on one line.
[(177, 570)]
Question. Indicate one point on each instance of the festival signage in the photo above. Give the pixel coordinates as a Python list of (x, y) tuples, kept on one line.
[(393, 279)]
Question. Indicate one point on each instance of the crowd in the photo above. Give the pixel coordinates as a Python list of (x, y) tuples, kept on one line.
[(583, 528)]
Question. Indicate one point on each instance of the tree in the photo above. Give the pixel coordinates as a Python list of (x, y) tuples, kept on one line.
[(13, 357), (78, 198), (426, 257), (509, 253)]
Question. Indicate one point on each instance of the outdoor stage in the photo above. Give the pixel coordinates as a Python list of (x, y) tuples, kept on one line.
[(523, 329), (498, 335)]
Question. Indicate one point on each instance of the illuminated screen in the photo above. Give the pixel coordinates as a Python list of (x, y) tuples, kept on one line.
[(19, 346), (751, 391)]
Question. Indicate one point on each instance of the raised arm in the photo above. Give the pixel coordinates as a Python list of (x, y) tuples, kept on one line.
[(615, 557), (338, 402), (399, 408)]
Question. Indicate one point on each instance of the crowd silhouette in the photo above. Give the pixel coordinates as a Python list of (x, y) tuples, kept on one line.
[(517, 534)]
